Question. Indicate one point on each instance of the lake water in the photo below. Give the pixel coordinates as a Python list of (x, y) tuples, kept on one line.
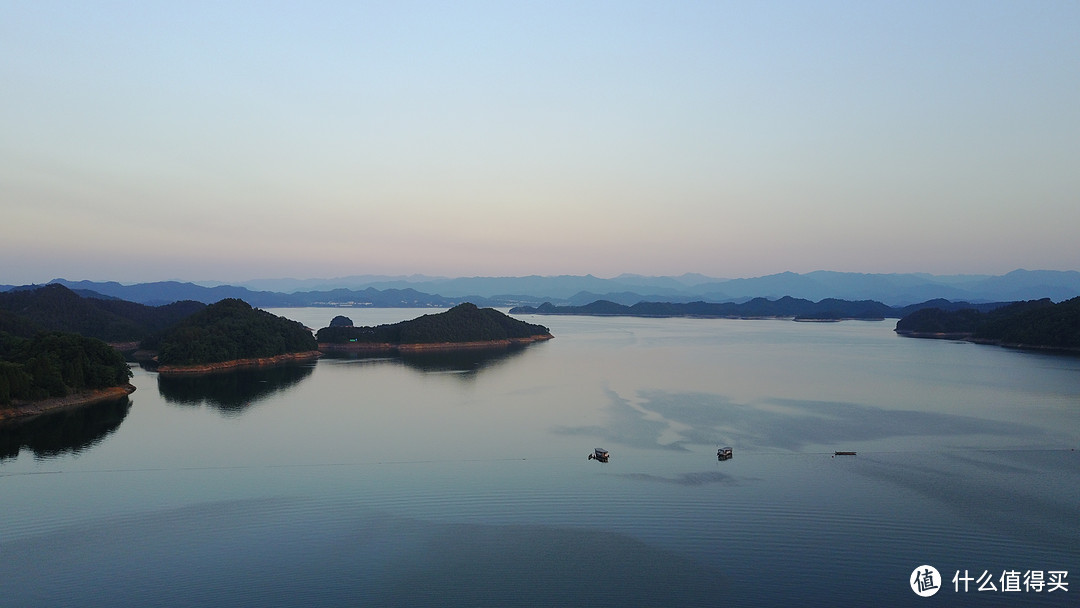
[(463, 481)]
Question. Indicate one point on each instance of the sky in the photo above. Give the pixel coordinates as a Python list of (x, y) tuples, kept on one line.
[(228, 141)]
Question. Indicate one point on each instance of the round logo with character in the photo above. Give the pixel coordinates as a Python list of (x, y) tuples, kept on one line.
[(925, 581)]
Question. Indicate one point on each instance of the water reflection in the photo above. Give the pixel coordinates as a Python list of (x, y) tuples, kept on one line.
[(627, 425), (344, 555), (232, 393), (673, 421), (687, 479), (68, 431), (1013, 491), (466, 364)]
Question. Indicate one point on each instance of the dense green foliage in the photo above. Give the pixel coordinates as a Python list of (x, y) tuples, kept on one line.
[(938, 321), (57, 308), (16, 325), (1038, 323), (54, 364), (228, 330), (462, 323)]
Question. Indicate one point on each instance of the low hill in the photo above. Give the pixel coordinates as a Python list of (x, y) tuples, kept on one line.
[(231, 330), (1032, 324), (57, 308), (462, 323)]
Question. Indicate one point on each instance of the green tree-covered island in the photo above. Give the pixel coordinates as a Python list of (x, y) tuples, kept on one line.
[(230, 334), (64, 368), (53, 353), (59, 348), (463, 326)]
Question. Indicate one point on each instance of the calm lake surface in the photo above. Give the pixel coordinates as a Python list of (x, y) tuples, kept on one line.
[(463, 480)]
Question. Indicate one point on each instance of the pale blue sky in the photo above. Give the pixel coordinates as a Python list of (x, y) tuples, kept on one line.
[(144, 141)]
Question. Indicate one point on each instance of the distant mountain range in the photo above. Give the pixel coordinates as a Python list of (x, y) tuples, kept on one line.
[(896, 290), (829, 309)]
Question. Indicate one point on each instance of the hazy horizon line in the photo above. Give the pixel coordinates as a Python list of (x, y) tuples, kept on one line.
[(420, 277)]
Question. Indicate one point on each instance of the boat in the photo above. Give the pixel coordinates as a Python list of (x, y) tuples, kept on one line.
[(843, 453), (599, 454), (723, 453)]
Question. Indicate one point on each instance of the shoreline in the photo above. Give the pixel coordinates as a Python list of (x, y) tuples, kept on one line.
[(969, 337), (728, 317), (221, 366), (936, 335), (27, 409), (386, 347), (350, 347)]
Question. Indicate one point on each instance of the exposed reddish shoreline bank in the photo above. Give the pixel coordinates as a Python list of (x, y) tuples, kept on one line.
[(209, 368), (44, 406), (386, 347)]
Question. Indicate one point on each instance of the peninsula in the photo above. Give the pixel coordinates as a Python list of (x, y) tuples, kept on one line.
[(464, 326), (55, 370), (1035, 324)]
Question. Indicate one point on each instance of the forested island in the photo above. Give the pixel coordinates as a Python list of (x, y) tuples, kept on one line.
[(829, 309), (463, 326), (230, 334), (59, 349), (59, 368), (1031, 324), (190, 337), (53, 351)]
